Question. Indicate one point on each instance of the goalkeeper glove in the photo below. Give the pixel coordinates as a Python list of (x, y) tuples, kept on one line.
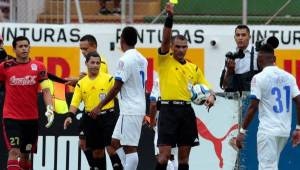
[(50, 115)]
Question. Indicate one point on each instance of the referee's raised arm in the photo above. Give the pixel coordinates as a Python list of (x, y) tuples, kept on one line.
[(167, 32)]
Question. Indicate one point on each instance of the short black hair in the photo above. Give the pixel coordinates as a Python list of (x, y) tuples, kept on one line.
[(242, 27), (267, 48), (180, 37), (129, 35), (19, 38), (92, 54), (90, 38)]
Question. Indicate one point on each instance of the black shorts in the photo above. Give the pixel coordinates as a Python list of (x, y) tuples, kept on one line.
[(98, 132), (21, 134), (177, 126)]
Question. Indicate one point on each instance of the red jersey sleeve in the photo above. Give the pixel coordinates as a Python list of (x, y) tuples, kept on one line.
[(42, 72)]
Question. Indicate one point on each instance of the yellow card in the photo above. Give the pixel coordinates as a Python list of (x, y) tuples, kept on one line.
[(174, 1)]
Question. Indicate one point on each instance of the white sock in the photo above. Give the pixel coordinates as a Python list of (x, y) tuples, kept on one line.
[(175, 164), (170, 165), (132, 161), (121, 155)]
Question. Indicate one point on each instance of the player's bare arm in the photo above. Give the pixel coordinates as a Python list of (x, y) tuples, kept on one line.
[(110, 96), (70, 115), (167, 31), (210, 100), (250, 114), (152, 113), (230, 65), (48, 102), (296, 133), (72, 81)]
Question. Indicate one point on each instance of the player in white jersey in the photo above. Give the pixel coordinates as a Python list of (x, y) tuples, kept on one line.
[(130, 81), (272, 91), (153, 114)]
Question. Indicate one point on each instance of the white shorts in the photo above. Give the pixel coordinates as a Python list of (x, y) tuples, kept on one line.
[(128, 129), (268, 150)]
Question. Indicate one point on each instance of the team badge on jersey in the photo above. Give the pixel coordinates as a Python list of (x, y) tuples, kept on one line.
[(34, 67), (28, 147), (102, 96)]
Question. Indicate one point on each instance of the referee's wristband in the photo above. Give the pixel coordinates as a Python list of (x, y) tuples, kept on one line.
[(297, 127), (169, 22), (71, 115)]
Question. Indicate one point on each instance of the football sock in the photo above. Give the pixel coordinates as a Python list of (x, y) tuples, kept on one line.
[(116, 162), (121, 155), (160, 166), (183, 167), (13, 165)]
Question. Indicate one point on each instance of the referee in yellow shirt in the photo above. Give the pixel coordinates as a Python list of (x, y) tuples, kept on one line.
[(91, 89), (177, 120)]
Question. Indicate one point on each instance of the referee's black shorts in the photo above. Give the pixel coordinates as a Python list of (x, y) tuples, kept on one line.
[(98, 132), (177, 125)]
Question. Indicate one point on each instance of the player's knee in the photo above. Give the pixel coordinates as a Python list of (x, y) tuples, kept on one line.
[(183, 159), (82, 144), (163, 158), (98, 153), (14, 153), (110, 150), (183, 155), (115, 144)]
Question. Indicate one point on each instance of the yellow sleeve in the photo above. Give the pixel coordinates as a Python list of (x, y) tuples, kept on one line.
[(77, 97), (111, 82), (162, 57), (103, 66), (201, 79), (46, 84)]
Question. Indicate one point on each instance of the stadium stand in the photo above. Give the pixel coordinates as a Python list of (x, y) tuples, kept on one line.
[(54, 11), (230, 11)]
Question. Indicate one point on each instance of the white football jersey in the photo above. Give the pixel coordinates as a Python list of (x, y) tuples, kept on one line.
[(275, 89), (132, 71)]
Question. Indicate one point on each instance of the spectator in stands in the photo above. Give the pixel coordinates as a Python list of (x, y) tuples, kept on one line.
[(104, 11), (2, 16)]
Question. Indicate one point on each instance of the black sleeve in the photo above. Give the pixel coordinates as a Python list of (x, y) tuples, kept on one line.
[(56, 79)]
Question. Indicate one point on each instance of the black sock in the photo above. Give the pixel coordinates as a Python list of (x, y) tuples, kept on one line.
[(183, 167), (100, 163), (160, 166), (89, 156), (116, 162)]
